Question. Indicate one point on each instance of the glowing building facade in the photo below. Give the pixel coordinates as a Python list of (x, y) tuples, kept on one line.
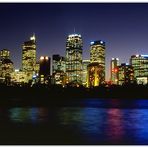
[(125, 74), (6, 66), (58, 63), (97, 55), (29, 57), (4, 54), (94, 74), (74, 59), (18, 77), (114, 70), (140, 65), (6, 69), (85, 63), (58, 69)]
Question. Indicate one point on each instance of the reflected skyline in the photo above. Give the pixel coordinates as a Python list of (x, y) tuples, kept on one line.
[(78, 125)]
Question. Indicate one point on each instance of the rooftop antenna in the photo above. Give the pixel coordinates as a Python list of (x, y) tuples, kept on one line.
[(33, 37), (33, 34), (74, 30)]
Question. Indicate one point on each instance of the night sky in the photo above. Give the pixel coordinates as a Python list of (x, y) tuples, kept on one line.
[(124, 28)]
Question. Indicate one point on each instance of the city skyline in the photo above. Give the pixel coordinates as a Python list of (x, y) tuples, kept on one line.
[(121, 26)]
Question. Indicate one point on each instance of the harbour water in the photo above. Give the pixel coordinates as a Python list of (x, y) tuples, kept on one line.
[(89, 121)]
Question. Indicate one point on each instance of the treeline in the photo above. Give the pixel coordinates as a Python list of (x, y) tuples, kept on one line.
[(57, 92)]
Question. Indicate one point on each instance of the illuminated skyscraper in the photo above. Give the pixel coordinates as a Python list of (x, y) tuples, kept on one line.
[(4, 54), (97, 55), (58, 63), (29, 56), (140, 65), (6, 66), (85, 63), (6, 69), (126, 74), (114, 70), (74, 58), (94, 74), (58, 69)]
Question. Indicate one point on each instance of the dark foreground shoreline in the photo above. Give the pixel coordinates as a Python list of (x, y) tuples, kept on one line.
[(73, 116), (55, 95)]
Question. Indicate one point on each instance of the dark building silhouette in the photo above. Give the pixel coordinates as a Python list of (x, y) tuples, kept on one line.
[(44, 70)]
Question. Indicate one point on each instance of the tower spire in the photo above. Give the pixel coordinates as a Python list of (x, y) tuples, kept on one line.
[(33, 37), (74, 30)]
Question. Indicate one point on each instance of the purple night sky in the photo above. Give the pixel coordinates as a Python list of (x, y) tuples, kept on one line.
[(124, 28)]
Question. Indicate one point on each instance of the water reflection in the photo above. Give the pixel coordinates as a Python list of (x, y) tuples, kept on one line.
[(138, 125), (93, 125), (28, 115), (107, 125), (115, 125), (87, 121)]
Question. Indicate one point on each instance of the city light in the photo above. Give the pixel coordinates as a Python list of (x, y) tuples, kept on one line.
[(32, 38), (16, 70), (73, 68), (101, 42), (46, 58), (41, 58), (145, 56), (91, 43)]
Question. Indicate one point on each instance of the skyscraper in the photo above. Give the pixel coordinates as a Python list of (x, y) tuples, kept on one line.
[(44, 71), (29, 57), (4, 54), (58, 69), (85, 63), (140, 65), (6, 69), (97, 55), (74, 58), (58, 63), (114, 70), (126, 74), (6, 66), (94, 74)]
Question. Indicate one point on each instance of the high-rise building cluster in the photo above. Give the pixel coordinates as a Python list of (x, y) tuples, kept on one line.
[(134, 72), (71, 69)]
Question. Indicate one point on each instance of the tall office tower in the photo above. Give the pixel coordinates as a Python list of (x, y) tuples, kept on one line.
[(140, 65), (6, 69), (58, 69), (114, 70), (74, 59), (29, 57), (126, 74), (85, 63), (58, 63), (6, 66), (4, 54), (94, 74), (97, 55), (44, 71)]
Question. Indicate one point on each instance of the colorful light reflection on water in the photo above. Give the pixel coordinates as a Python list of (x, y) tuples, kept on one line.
[(102, 124)]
